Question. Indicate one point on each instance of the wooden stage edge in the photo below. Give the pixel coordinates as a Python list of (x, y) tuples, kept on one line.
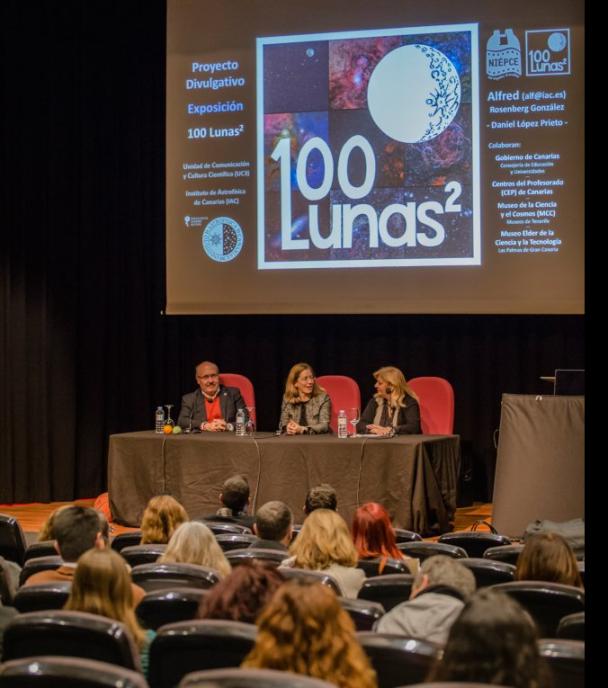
[(32, 516)]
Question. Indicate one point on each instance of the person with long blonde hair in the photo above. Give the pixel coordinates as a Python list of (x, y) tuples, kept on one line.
[(305, 630), (163, 514), (394, 407), (102, 585), (194, 543), (324, 544), (306, 407)]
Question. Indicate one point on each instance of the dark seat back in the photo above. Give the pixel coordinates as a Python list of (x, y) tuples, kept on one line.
[(67, 672), (507, 553), (46, 548), (474, 543), (272, 557), (313, 576), (160, 607), (372, 566), (424, 550), (38, 564), (181, 648), (230, 541), (389, 590), (133, 537), (12, 539), (142, 554), (73, 634), (398, 660), (250, 678), (572, 627), (547, 603), (222, 528), (364, 613), (38, 598), (403, 535), (489, 572), (167, 576), (566, 660)]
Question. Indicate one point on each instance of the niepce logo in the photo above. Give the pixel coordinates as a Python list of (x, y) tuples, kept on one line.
[(222, 239), (503, 55)]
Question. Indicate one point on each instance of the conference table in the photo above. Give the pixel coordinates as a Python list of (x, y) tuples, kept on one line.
[(414, 476)]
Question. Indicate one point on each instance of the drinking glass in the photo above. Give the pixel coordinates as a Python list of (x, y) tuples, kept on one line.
[(354, 416), (169, 420), (250, 426)]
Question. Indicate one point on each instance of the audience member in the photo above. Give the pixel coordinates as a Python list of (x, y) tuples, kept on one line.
[(548, 557), (439, 592), (306, 407), (46, 531), (493, 641), (194, 543), (325, 544), (322, 496), (163, 514), (374, 537), (102, 585), (234, 499), (243, 594), (304, 629), (273, 526)]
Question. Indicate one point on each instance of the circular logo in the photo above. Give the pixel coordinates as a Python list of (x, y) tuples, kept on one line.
[(414, 93), (222, 239)]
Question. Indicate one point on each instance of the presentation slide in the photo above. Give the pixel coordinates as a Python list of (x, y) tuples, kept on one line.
[(386, 157)]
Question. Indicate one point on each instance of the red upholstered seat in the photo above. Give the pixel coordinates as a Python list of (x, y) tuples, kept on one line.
[(436, 400), (344, 394), (243, 383)]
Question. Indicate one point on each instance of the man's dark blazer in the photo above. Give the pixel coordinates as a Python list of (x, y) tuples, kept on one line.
[(193, 411)]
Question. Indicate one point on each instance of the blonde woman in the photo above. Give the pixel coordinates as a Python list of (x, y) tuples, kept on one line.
[(394, 407), (304, 629), (306, 407), (102, 585), (162, 516), (194, 543), (325, 544)]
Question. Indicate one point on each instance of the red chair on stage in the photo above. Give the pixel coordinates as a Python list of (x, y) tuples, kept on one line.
[(436, 399), (344, 394), (244, 384)]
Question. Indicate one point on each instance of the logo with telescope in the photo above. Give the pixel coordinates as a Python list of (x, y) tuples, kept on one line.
[(223, 239)]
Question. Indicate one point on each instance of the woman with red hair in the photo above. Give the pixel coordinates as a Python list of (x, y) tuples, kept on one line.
[(374, 537)]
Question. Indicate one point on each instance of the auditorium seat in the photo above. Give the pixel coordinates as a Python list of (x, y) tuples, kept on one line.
[(403, 535), (313, 576), (344, 394), (67, 672), (436, 401), (12, 539), (547, 603), (424, 550), (572, 627), (229, 541), (187, 646), (38, 564), (474, 543), (167, 576), (38, 598), (507, 553), (364, 613), (372, 566), (9, 580), (398, 660), (160, 607), (566, 661), (129, 539), (388, 590), (142, 554), (488, 572), (221, 528), (271, 557), (250, 678), (73, 634), (245, 386), (46, 548)]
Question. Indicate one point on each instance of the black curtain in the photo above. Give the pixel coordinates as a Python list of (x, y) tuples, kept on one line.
[(85, 350)]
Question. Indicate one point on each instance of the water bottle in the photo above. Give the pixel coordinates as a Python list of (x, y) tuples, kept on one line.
[(160, 420), (342, 425), (239, 426)]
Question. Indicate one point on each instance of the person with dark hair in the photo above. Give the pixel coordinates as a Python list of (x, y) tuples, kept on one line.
[(305, 630), (162, 515), (273, 526), (439, 591), (374, 537), (548, 557), (322, 496), (306, 407), (243, 594), (234, 499), (492, 641)]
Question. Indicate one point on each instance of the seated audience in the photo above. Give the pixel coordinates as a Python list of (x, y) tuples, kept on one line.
[(439, 592), (304, 629), (163, 514), (273, 526), (324, 544), (306, 407), (243, 594), (234, 499), (393, 408), (194, 543), (102, 585), (548, 557), (46, 531), (374, 537), (493, 641), (322, 496)]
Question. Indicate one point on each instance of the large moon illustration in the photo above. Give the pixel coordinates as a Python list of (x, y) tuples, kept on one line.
[(414, 93)]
